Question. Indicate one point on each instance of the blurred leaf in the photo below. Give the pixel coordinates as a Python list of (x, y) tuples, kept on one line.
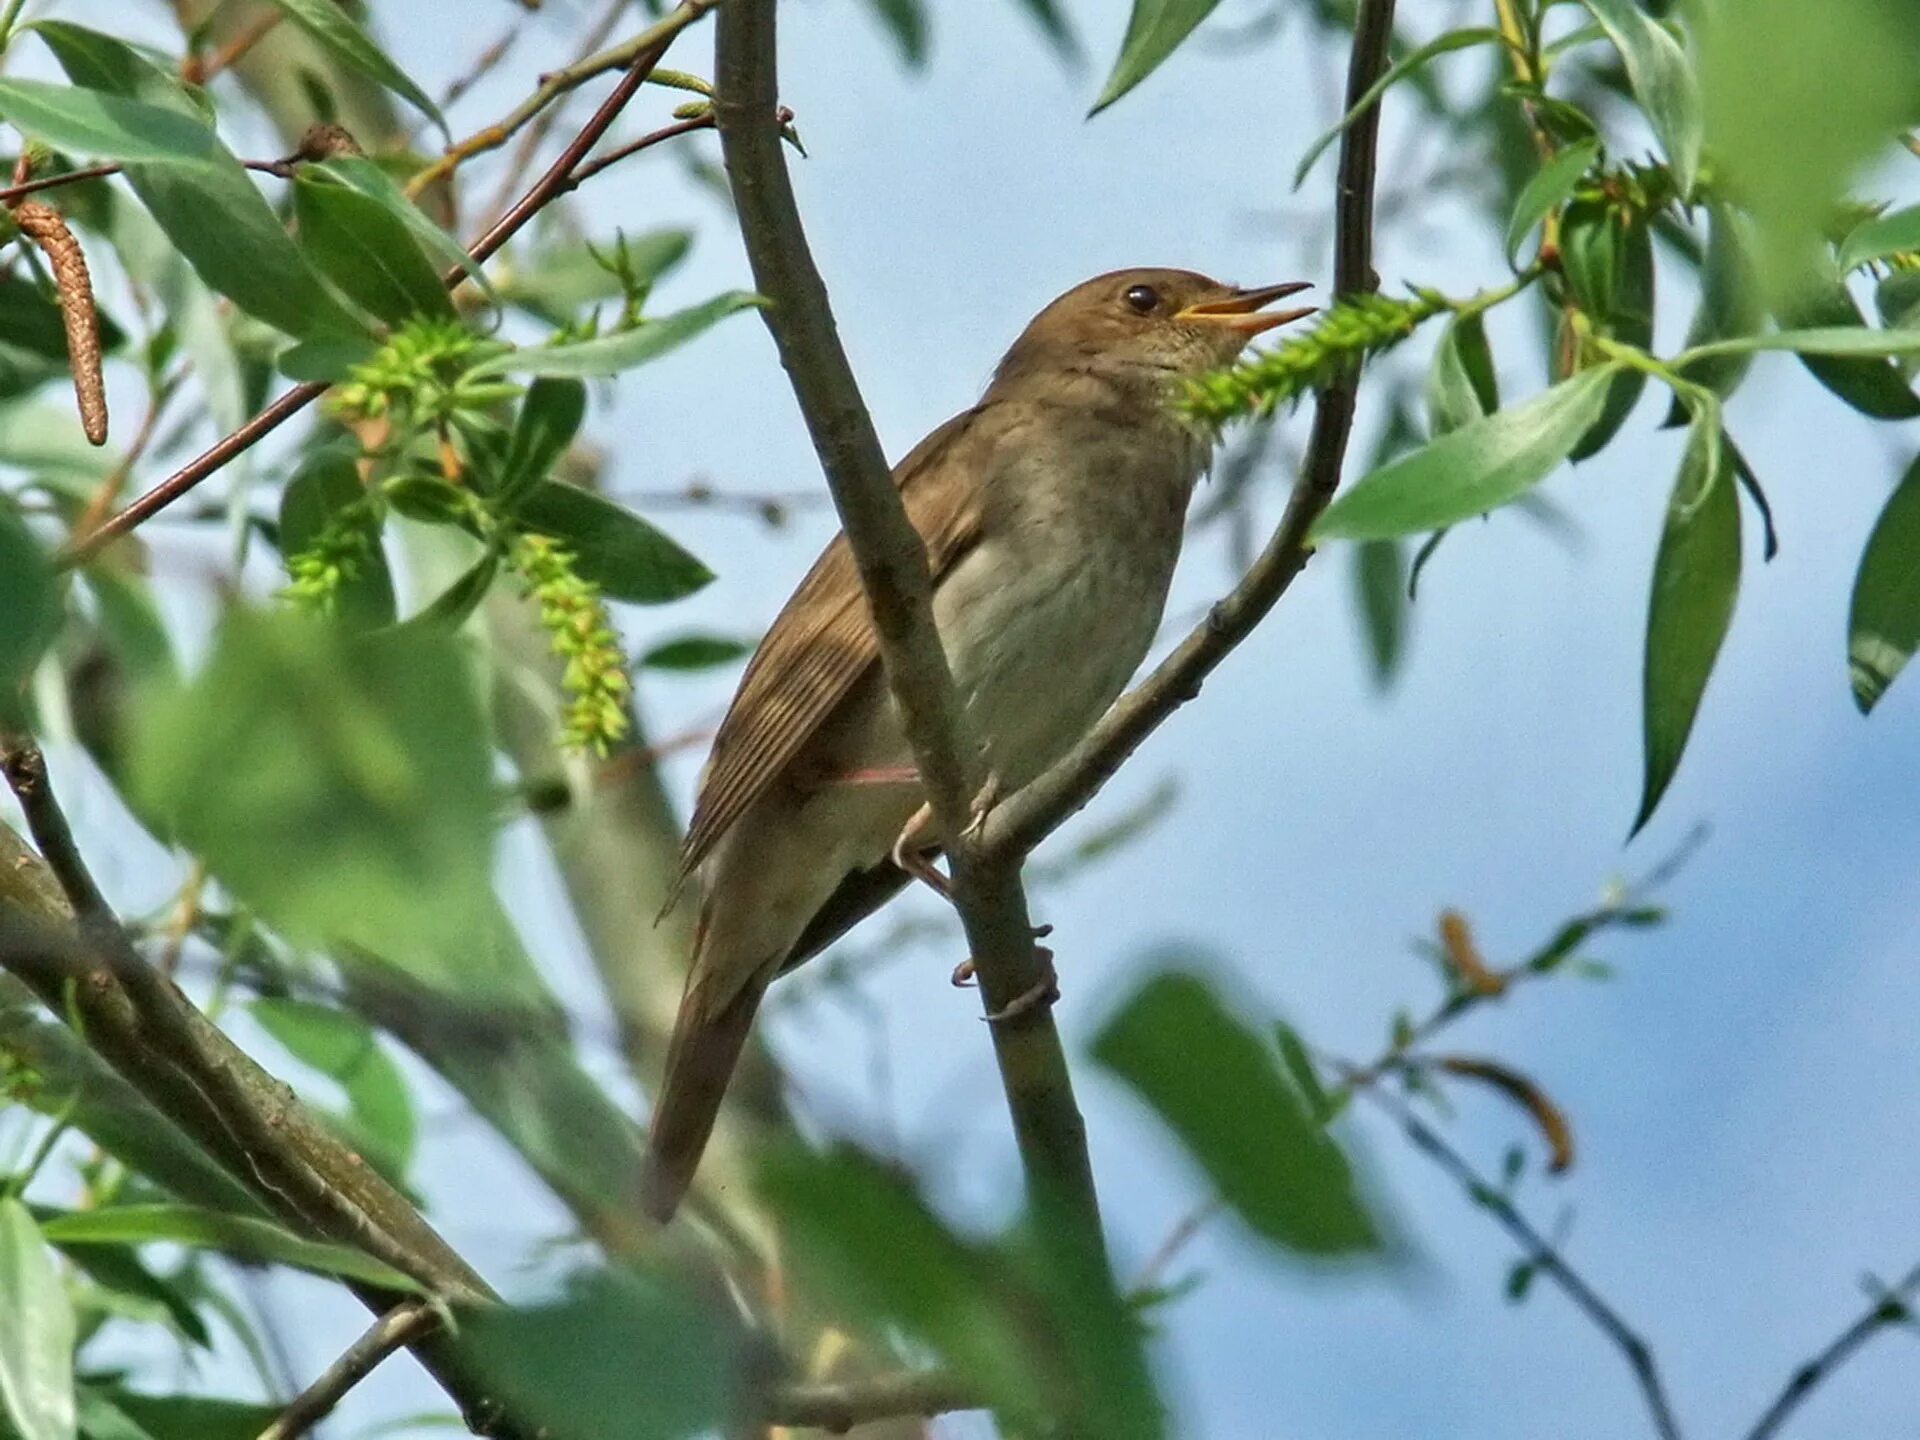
[(366, 177), (1461, 386), (1053, 23), (1897, 299), (1471, 470), (367, 251), (30, 321), (695, 652), (30, 601), (1883, 626), (327, 361), (1155, 29), (259, 1241), (100, 126), (326, 485), (559, 283), (1696, 575), (119, 1268), (339, 785), (1894, 233), (906, 22), (617, 550), (621, 1356), (1224, 1094), (343, 1047), (1550, 186), (335, 29), (1729, 303), (36, 1332), (103, 62), (1839, 332), (1379, 575), (1848, 342), (1607, 258), (170, 1417), (1797, 98), (451, 607), (550, 417), (1407, 65), (610, 354), (1663, 82), (1302, 1071)]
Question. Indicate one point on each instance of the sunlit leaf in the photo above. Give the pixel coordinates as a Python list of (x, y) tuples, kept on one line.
[(1696, 576), (1155, 29), (1663, 81), (610, 354), (335, 28), (621, 553), (102, 126), (1883, 626), (1470, 470), (1461, 384), (36, 1332)]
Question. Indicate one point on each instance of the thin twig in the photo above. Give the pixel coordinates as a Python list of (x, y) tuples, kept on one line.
[(1539, 1252), (197, 71), (892, 564), (407, 1322), (1029, 816), (1892, 1306), (552, 182)]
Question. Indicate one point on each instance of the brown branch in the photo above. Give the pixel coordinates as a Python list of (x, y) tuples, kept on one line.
[(838, 1407), (552, 183), (198, 70), (1538, 1251), (401, 1326), (1893, 1306), (1030, 816), (893, 571), (47, 229)]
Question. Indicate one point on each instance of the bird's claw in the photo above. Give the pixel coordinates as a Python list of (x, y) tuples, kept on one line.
[(983, 804), (962, 975)]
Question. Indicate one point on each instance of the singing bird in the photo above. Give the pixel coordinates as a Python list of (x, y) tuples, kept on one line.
[(1052, 513)]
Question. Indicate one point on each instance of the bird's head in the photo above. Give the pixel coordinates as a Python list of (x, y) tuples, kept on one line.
[(1149, 324)]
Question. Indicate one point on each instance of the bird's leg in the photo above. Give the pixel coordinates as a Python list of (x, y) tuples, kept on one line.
[(913, 853), (983, 803)]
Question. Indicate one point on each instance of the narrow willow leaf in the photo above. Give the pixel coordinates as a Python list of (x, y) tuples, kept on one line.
[(1551, 185), (1473, 469), (1817, 342), (610, 354), (1894, 233), (1155, 29), (100, 126), (451, 607), (1379, 579), (1461, 384), (1406, 66), (368, 252), (101, 62), (1607, 258), (906, 22), (1826, 329), (239, 1235), (621, 553), (1663, 81), (36, 1332), (1224, 1092), (1730, 305), (328, 23), (560, 283), (30, 601), (361, 174), (1696, 576), (1053, 23), (550, 417), (1883, 626), (695, 652)]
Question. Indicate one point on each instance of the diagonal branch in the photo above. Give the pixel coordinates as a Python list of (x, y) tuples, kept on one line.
[(1893, 1306), (1030, 816), (893, 570), (407, 1322)]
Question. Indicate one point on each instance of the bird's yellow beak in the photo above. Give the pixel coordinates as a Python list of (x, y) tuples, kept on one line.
[(1240, 310)]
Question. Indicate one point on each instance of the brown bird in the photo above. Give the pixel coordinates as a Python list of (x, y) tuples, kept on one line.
[(1052, 513)]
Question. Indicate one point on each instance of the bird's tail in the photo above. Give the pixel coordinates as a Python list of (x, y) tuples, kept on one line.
[(700, 1059)]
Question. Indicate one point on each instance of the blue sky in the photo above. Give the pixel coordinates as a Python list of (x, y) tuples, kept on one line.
[(1742, 1093)]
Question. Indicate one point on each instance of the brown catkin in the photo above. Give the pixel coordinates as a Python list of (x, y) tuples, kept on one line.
[(69, 264)]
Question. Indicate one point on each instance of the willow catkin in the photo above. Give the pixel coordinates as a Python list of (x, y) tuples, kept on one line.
[(44, 225)]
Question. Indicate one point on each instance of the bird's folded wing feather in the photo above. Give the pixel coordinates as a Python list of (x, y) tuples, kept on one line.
[(824, 641)]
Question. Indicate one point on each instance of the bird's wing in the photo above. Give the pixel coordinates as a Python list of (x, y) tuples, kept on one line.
[(821, 643)]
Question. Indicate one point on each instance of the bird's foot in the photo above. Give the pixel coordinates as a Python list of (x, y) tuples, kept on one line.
[(912, 853), (1040, 995), (983, 803)]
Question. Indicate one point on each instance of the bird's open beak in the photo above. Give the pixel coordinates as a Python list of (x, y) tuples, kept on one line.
[(1241, 310)]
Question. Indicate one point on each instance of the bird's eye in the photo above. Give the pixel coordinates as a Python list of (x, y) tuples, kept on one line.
[(1143, 298)]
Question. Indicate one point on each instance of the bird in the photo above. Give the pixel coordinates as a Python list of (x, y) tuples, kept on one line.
[(1052, 512)]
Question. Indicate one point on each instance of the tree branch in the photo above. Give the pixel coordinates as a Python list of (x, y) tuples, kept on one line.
[(1892, 1307), (1037, 810), (647, 48), (893, 572), (837, 1408), (407, 1322)]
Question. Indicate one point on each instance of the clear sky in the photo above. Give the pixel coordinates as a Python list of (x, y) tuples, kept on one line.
[(1743, 1093)]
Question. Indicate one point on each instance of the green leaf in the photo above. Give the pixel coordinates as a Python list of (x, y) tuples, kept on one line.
[(338, 784), (102, 62), (1407, 65), (1663, 81), (1607, 258), (171, 1417), (906, 22), (361, 174), (695, 652), (621, 1355), (335, 29), (450, 609), (1379, 578), (617, 550), (1471, 470), (1054, 24), (1894, 233), (560, 283), (1155, 30), (100, 126), (550, 417), (610, 354), (1730, 306), (343, 1047), (1696, 575), (1461, 385), (367, 251), (325, 486), (36, 1332), (120, 1270), (1550, 186), (260, 1241), (30, 601), (1883, 626), (1225, 1094)]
